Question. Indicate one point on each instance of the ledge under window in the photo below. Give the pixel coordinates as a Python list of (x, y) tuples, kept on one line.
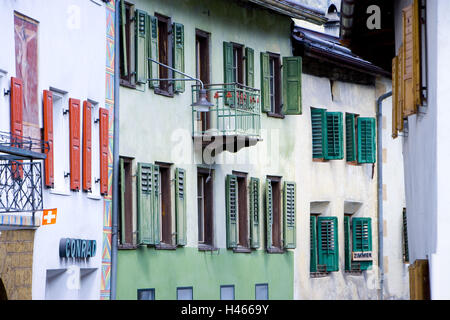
[(275, 250), (127, 246), (242, 250), (165, 246), (207, 247), (275, 115), (164, 93)]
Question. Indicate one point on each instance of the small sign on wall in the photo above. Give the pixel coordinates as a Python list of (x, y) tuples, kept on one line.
[(362, 256)]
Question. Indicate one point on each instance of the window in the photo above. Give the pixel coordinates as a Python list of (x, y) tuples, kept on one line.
[(360, 139), (405, 238), (327, 135), (154, 206), (358, 243), (205, 207), (324, 255), (95, 149), (275, 84), (165, 49), (126, 50), (238, 66), (126, 202), (227, 292), (203, 72), (262, 291), (185, 293), (146, 294)]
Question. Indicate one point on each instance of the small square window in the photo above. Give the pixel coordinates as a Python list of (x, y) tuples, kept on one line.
[(227, 292), (262, 292), (146, 294), (185, 293)]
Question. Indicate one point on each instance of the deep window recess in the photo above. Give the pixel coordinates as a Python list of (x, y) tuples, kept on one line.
[(165, 47), (126, 202), (203, 71), (238, 65), (205, 207), (126, 43), (275, 84), (167, 235), (273, 214), (262, 291), (227, 292), (185, 293), (324, 255), (146, 294)]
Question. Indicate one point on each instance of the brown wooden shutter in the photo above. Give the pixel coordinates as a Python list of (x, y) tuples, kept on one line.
[(16, 121), (74, 111), (87, 146), (401, 90), (48, 136), (104, 140), (394, 98)]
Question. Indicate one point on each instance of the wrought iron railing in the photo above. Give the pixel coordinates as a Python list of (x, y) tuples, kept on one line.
[(236, 111), (20, 186), (9, 139)]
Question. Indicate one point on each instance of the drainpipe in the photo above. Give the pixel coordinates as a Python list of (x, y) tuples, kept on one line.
[(380, 186), (115, 182)]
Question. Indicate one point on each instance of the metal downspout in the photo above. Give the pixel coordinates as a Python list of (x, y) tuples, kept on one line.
[(115, 182), (380, 186)]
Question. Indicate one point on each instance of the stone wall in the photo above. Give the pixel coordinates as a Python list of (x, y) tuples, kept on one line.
[(16, 261)]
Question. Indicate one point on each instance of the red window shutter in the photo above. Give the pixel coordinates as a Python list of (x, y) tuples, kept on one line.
[(48, 136), (104, 141), (16, 120), (74, 111), (87, 146)]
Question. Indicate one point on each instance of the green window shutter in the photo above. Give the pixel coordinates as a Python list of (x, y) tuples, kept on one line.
[(289, 215), (254, 213), (366, 140), (231, 189), (319, 133), (122, 200), (153, 51), (313, 243), (269, 214), (228, 68), (265, 82), (180, 206), (328, 250), (292, 85), (141, 34), (156, 203), (250, 66), (362, 238), (334, 136), (348, 251), (178, 55), (350, 137), (123, 39), (145, 204)]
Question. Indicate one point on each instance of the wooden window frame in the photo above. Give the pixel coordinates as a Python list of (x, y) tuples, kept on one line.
[(166, 88), (238, 63), (129, 213), (167, 236), (208, 215), (204, 39), (277, 211), (243, 216), (276, 110), (128, 81)]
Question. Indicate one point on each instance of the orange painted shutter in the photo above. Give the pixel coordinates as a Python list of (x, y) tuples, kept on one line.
[(104, 141), (48, 136), (74, 110), (87, 146), (16, 121)]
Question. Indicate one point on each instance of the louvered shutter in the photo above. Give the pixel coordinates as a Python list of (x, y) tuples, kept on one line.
[(328, 250), (228, 71), (48, 136), (16, 122), (178, 55), (292, 85), (313, 243), (265, 82), (350, 137), (141, 34), (231, 198), (87, 146), (366, 140), (123, 38), (254, 213), (153, 68), (75, 142), (289, 218), (180, 205), (394, 97), (156, 203), (401, 90), (362, 238), (122, 201), (347, 248), (250, 66), (104, 143), (319, 133), (269, 214), (145, 204), (334, 136)]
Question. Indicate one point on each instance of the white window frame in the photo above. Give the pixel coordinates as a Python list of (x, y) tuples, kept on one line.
[(95, 151)]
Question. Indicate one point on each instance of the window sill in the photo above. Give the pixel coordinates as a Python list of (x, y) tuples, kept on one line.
[(242, 250), (127, 246), (94, 196), (60, 192), (319, 160), (319, 274), (353, 163), (275, 250), (165, 246), (206, 247), (353, 272), (164, 93), (127, 84), (275, 115)]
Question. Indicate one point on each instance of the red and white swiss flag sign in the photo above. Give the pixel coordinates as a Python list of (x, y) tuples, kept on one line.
[(49, 216)]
